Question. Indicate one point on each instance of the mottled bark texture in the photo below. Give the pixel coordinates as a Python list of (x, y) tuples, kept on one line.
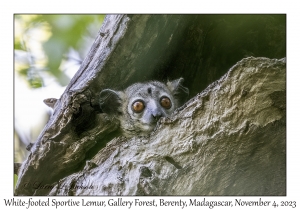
[(227, 140)]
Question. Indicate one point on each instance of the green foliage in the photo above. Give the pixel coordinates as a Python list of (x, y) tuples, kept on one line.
[(57, 34), (15, 180)]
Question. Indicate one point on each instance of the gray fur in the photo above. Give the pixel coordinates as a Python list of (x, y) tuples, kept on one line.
[(118, 104)]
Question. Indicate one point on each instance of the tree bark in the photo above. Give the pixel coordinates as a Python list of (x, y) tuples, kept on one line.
[(227, 140)]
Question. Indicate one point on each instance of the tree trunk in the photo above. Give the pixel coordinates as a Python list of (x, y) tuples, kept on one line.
[(227, 140)]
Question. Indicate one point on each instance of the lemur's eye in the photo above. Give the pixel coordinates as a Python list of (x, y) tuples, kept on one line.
[(165, 102), (138, 106)]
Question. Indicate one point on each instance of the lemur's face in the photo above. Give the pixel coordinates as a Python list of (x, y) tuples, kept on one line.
[(146, 103), (139, 107)]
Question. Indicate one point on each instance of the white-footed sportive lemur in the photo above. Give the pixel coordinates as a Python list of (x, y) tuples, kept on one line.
[(139, 106)]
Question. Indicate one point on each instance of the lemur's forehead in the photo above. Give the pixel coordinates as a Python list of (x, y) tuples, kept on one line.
[(147, 90)]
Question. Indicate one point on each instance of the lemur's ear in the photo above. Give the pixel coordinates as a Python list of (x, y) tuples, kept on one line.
[(179, 92), (110, 101)]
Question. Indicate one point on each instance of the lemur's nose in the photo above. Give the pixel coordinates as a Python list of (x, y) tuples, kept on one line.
[(156, 114)]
